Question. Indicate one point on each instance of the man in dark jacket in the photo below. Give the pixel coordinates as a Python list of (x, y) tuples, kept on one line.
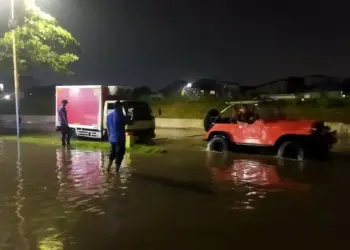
[(116, 135), (65, 130)]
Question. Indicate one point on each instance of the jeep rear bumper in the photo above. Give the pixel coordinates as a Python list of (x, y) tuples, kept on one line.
[(331, 138), (322, 142)]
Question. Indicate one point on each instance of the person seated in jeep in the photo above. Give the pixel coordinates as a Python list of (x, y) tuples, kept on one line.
[(245, 115), (234, 114)]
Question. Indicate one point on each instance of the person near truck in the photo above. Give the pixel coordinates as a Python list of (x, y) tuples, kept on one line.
[(116, 135), (65, 130)]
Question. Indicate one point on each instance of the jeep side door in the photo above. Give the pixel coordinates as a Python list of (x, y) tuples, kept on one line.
[(251, 133)]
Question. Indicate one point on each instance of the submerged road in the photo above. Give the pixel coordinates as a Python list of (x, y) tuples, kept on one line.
[(54, 198)]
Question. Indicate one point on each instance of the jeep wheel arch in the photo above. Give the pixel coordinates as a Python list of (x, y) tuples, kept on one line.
[(209, 119), (221, 134), (289, 137)]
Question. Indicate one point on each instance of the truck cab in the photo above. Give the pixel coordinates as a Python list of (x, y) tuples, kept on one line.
[(141, 123)]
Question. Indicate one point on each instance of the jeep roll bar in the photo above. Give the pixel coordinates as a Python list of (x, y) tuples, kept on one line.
[(231, 104)]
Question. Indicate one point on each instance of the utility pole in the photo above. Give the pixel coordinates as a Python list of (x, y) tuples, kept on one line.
[(13, 25)]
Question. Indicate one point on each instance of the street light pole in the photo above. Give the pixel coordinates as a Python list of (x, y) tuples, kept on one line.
[(15, 70)]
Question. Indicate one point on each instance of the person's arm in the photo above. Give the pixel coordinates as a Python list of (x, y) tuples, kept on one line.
[(108, 123), (122, 119), (120, 122), (66, 117), (62, 116)]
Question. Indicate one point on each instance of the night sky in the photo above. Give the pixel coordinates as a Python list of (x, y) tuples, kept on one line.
[(144, 42)]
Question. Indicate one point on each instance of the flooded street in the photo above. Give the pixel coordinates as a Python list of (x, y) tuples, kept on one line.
[(64, 199)]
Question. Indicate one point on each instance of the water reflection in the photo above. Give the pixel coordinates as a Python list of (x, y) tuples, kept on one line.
[(71, 202), (19, 199), (253, 179), (44, 200), (85, 171)]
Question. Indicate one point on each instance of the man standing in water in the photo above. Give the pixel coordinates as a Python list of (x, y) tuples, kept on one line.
[(65, 130), (116, 135)]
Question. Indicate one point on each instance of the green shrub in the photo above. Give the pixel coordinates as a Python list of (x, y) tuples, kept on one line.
[(326, 109)]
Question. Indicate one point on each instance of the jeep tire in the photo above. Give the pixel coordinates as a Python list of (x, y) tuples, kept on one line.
[(291, 150), (218, 144), (210, 118)]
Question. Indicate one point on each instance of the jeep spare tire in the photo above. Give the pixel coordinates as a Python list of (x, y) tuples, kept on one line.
[(211, 116)]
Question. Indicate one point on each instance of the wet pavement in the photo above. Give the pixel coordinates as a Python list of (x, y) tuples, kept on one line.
[(64, 199)]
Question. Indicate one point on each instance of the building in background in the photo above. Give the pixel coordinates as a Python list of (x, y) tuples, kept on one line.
[(327, 86), (157, 96), (289, 85), (210, 87), (173, 89)]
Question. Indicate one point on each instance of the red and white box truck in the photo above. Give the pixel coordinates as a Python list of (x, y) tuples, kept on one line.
[(89, 106)]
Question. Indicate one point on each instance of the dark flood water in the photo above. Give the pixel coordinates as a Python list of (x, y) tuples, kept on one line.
[(64, 199)]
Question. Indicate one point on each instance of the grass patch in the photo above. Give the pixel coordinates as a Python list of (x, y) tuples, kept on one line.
[(327, 109), (84, 145), (330, 110)]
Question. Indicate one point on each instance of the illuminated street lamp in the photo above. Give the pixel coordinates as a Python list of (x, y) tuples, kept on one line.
[(185, 88)]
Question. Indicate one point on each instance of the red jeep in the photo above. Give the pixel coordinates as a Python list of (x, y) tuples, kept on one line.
[(262, 124)]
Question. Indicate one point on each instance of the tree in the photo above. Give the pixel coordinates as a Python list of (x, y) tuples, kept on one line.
[(40, 41)]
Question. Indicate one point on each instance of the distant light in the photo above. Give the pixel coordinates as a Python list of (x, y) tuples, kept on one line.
[(7, 97), (30, 94), (343, 96), (302, 99), (189, 85)]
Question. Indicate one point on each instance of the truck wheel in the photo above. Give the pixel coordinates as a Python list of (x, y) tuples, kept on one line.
[(291, 150), (218, 144), (210, 118)]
